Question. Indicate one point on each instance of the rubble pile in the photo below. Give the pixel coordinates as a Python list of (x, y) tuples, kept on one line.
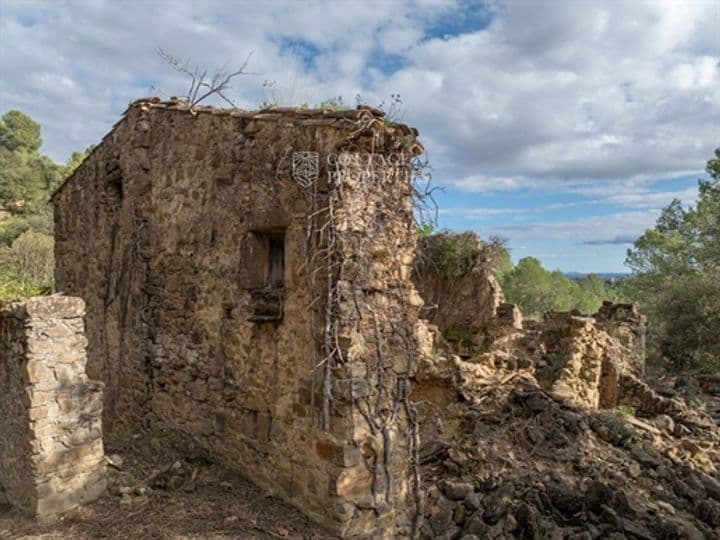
[(551, 432)]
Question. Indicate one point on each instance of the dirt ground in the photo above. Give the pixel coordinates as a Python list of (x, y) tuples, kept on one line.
[(212, 503)]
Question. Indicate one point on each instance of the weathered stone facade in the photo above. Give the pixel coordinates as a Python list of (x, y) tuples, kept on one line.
[(51, 449), (265, 310)]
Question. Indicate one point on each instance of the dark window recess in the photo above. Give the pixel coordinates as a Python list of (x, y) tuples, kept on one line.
[(268, 300), (275, 260), (114, 183), (267, 305)]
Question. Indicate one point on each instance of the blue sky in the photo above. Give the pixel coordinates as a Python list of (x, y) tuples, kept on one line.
[(562, 126)]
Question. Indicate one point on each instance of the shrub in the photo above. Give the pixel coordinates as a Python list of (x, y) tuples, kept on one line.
[(621, 433), (26, 267), (450, 255), (12, 290), (12, 228)]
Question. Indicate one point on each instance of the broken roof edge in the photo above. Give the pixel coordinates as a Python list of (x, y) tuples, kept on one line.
[(265, 113)]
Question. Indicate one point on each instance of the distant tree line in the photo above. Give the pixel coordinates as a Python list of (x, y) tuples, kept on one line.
[(537, 290)]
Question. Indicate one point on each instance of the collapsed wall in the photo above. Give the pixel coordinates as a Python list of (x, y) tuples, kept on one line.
[(454, 275), (580, 364), (582, 359), (247, 282), (627, 325), (549, 431), (513, 430), (586, 359), (51, 449)]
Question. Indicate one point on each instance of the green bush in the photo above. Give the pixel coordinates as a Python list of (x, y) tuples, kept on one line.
[(625, 410), (12, 289), (452, 255), (13, 227)]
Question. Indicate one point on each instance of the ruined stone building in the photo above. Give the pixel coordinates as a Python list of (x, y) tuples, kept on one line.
[(247, 282), (250, 280), (581, 359)]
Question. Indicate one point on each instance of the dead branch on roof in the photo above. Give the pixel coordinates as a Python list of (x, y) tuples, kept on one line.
[(202, 86)]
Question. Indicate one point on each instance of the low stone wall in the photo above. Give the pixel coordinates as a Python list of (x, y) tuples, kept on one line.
[(586, 357), (51, 448)]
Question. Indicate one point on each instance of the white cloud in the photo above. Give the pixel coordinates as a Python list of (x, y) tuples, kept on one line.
[(477, 212), (571, 91), (489, 184), (647, 199), (620, 228), (107, 49), (482, 212)]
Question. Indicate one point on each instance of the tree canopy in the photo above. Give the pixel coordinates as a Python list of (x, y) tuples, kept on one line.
[(537, 290), (27, 180), (19, 132), (676, 278)]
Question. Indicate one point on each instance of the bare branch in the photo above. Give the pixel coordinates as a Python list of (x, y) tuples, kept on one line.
[(217, 84)]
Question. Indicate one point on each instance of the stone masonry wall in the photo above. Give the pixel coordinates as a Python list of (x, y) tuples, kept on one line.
[(164, 232), (586, 358), (51, 448)]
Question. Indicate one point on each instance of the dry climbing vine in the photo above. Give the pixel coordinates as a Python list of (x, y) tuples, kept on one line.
[(325, 264)]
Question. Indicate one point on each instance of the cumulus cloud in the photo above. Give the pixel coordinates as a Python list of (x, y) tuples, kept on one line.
[(552, 91), (571, 91)]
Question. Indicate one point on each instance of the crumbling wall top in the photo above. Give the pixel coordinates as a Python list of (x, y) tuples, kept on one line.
[(361, 117)]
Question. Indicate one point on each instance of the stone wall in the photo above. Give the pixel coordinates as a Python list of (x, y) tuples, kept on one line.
[(578, 360), (51, 448), (167, 232), (585, 358)]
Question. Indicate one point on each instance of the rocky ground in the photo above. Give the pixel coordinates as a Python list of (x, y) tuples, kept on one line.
[(504, 455), (501, 458), (504, 458)]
